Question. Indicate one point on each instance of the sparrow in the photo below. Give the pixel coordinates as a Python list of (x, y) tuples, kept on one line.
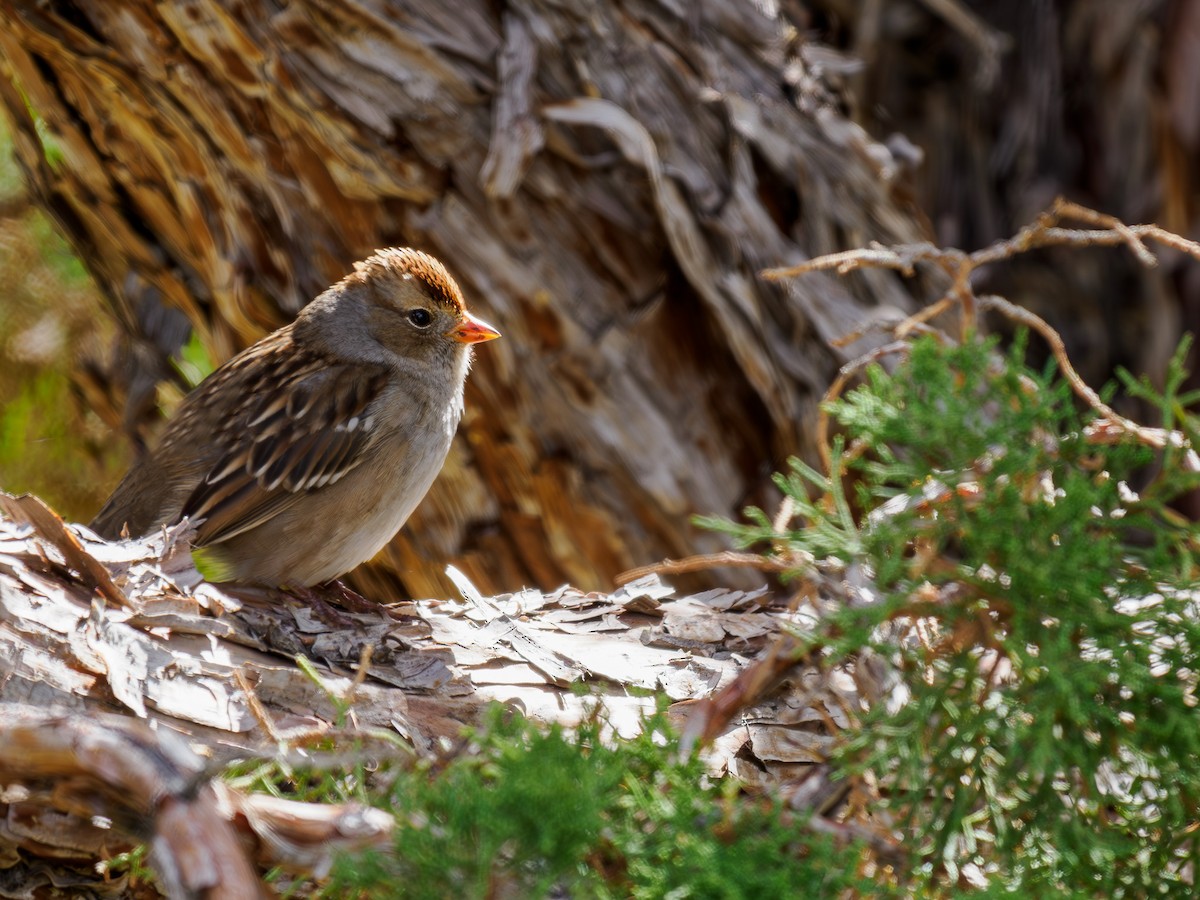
[(303, 455)]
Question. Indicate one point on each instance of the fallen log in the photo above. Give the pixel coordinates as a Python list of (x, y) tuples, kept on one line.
[(128, 684)]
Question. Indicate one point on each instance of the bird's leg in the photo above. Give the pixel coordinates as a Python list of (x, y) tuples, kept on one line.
[(315, 597), (252, 594), (350, 598)]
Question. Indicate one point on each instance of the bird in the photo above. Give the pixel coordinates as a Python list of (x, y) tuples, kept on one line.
[(303, 455)]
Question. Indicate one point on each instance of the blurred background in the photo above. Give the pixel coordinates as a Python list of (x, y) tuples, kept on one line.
[(52, 320), (606, 181)]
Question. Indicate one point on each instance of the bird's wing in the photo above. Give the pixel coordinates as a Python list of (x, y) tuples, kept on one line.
[(283, 444)]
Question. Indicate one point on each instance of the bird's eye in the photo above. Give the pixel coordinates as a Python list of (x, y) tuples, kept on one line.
[(420, 317)]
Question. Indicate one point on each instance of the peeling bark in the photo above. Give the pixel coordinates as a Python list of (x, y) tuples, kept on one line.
[(99, 685), (606, 180)]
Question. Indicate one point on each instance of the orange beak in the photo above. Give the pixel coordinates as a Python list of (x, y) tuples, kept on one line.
[(473, 331)]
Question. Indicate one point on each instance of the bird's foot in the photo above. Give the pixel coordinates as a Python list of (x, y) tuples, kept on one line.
[(318, 597), (350, 598)]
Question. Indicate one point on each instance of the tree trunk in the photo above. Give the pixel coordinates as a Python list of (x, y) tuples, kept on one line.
[(605, 180), (1012, 104)]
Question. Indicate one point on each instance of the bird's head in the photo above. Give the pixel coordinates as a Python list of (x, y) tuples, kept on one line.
[(400, 303)]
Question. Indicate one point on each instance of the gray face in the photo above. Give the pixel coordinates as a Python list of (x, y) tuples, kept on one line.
[(407, 318), (398, 308)]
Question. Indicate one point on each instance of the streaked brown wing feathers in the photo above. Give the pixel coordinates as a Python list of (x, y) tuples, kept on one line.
[(282, 443)]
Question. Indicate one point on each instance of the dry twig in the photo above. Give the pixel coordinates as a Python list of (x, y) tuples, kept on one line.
[(726, 559), (1105, 230)]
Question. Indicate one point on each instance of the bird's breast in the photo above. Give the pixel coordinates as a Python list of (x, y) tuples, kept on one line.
[(394, 479)]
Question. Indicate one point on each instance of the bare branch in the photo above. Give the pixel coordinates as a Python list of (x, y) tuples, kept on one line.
[(1106, 230), (726, 559)]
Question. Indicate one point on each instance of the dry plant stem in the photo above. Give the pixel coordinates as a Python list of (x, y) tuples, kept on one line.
[(933, 310), (1045, 232), (1151, 437), (364, 666), (712, 715), (853, 336), (256, 708), (727, 559), (290, 737), (787, 509), (780, 524), (1042, 233), (851, 714)]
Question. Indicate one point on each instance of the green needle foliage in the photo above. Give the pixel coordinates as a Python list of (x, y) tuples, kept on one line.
[(1044, 738), (531, 813)]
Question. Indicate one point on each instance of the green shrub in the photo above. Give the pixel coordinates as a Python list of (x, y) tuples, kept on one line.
[(527, 812), (1046, 734)]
